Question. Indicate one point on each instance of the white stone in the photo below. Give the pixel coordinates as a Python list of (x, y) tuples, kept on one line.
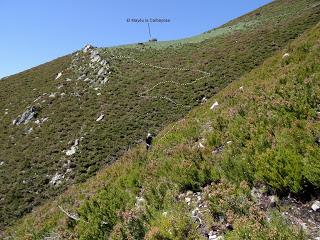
[(214, 106), (52, 95), (187, 199), (1, 163), (76, 142), (100, 118), (316, 206), (286, 55), (59, 75), (98, 94), (241, 88), (44, 119)]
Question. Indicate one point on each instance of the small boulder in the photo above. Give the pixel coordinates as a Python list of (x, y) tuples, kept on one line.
[(214, 106), (59, 75), (315, 206), (286, 55), (100, 118)]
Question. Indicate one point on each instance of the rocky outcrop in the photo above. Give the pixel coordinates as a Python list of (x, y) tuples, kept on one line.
[(27, 116), (90, 66)]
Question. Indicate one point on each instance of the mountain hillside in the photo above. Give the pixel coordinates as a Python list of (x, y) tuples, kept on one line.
[(244, 165), (65, 120)]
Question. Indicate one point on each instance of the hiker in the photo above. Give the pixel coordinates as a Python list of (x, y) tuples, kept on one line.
[(149, 140)]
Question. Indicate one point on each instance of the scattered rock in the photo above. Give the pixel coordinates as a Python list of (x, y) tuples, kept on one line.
[(59, 75), (218, 149), (73, 148), (214, 106), (241, 88), (71, 151), (274, 200), (29, 130), (204, 99), (315, 206), (140, 201), (104, 62), (100, 118), (104, 81), (56, 179), (1, 163)]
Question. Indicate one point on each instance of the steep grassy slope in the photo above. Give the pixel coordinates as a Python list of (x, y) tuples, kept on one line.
[(263, 132), (34, 157)]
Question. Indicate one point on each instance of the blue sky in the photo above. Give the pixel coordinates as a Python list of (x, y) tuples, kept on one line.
[(33, 32)]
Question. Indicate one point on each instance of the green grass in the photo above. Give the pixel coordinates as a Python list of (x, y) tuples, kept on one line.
[(30, 160)]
